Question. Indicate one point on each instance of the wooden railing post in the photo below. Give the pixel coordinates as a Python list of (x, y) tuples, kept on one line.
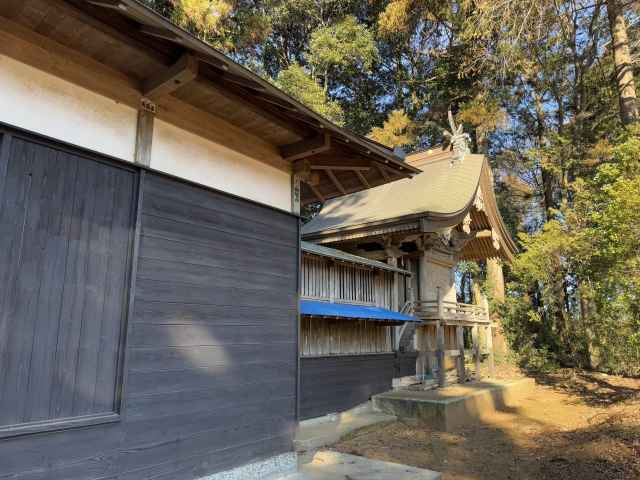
[(476, 349), (442, 374), (460, 340)]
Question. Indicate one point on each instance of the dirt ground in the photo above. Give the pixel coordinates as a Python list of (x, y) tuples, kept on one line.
[(575, 425)]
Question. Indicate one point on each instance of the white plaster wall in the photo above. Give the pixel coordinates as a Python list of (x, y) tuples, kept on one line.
[(183, 154), (43, 103)]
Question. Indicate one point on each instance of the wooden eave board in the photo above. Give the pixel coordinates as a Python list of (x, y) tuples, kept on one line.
[(200, 94), (116, 40)]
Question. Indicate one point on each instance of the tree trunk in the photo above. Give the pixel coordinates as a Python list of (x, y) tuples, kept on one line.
[(622, 61)]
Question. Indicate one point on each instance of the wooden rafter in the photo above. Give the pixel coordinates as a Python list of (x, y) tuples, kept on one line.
[(352, 168), (316, 192), (383, 171), (335, 181), (115, 4), (259, 109), (243, 82), (179, 74), (306, 148), (363, 179), (159, 33)]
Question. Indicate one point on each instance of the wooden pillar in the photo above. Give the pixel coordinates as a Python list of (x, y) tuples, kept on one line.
[(495, 279), (476, 350), (489, 335), (440, 304), (440, 353), (462, 376)]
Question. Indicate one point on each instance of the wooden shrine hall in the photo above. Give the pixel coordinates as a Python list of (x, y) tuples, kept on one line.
[(426, 225)]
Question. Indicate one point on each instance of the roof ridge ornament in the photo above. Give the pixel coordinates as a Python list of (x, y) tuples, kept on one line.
[(457, 140)]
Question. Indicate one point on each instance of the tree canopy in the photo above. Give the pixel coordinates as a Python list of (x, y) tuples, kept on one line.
[(547, 91)]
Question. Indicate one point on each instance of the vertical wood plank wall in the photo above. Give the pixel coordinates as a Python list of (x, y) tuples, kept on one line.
[(348, 283), (65, 238), (210, 377), (339, 336)]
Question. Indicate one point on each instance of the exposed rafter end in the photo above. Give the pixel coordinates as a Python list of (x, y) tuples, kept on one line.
[(184, 71), (306, 148)]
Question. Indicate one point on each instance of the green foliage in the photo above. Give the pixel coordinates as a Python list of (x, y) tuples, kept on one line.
[(398, 130), (346, 44), (584, 272), (533, 83), (300, 85)]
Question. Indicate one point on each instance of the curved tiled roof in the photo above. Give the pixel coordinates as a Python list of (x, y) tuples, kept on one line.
[(444, 189), (442, 195)]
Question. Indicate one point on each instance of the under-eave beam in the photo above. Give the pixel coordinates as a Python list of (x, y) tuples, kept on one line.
[(179, 74), (306, 148)]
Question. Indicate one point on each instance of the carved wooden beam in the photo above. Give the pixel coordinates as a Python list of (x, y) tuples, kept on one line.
[(179, 74), (306, 148)]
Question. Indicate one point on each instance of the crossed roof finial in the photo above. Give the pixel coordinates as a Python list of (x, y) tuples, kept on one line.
[(457, 140)]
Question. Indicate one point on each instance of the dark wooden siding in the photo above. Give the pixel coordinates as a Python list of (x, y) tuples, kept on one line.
[(335, 384), (405, 364), (211, 351), (65, 237)]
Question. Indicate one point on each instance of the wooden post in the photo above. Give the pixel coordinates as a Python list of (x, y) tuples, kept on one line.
[(295, 193), (462, 376), (489, 335), (440, 352), (144, 132), (476, 350)]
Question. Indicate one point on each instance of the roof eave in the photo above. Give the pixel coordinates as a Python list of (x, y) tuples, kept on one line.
[(143, 13)]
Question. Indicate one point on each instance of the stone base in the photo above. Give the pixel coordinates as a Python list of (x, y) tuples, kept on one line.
[(269, 469), (451, 407), (322, 431)]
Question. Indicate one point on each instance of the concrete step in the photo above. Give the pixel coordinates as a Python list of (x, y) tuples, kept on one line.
[(328, 465), (323, 431), (448, 408)]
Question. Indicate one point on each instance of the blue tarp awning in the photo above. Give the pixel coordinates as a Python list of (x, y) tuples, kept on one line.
[(347, 310)]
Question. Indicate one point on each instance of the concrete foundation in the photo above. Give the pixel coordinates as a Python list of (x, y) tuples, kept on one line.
[(451, 407), (326, 465), (272, 468), (322, 431)]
